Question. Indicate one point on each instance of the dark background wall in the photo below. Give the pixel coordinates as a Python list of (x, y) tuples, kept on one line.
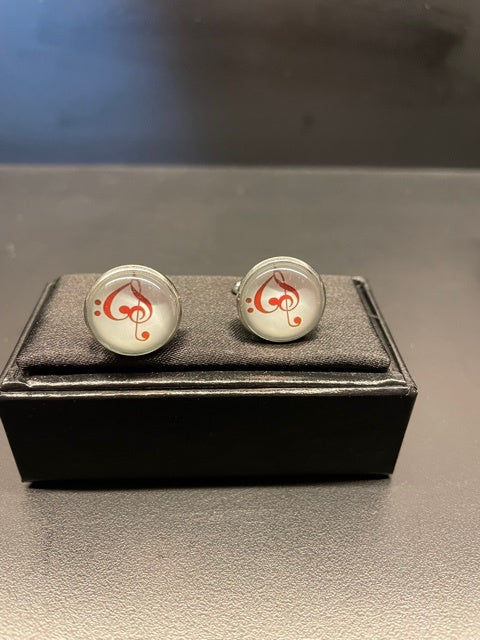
[(356, 82)]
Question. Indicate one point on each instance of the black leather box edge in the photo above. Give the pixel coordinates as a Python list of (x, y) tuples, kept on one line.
[(226, 425)]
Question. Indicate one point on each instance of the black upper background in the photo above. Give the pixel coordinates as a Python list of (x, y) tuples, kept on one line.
[(305, 82)]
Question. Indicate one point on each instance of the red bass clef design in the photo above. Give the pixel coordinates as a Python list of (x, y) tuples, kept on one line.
[(137, 313), (286, 302)]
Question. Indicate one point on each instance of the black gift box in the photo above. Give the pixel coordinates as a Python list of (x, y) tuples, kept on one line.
[(215, 403)]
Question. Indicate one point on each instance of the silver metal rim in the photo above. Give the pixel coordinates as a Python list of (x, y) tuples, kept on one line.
[(268, 262), (148, 272)]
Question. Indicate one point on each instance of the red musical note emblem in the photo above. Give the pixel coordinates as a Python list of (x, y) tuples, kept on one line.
[(285, 303), (137, 313)]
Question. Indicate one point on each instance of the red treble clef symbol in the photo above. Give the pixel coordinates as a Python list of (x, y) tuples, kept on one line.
[(286, 302), (137, 313)]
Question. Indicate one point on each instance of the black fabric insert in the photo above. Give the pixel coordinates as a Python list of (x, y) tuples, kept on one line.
[(210, 335)]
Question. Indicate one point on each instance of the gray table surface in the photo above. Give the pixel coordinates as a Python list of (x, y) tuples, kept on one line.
[(392, 558)]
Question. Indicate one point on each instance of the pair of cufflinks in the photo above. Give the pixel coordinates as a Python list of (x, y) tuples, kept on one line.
[(134, 310)]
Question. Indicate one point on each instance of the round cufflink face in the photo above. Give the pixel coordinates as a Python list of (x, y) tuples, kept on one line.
[(132, 310), (281, 299)]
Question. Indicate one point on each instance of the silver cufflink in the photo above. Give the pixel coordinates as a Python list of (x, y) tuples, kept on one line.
[(280, 299), (132, 310)]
